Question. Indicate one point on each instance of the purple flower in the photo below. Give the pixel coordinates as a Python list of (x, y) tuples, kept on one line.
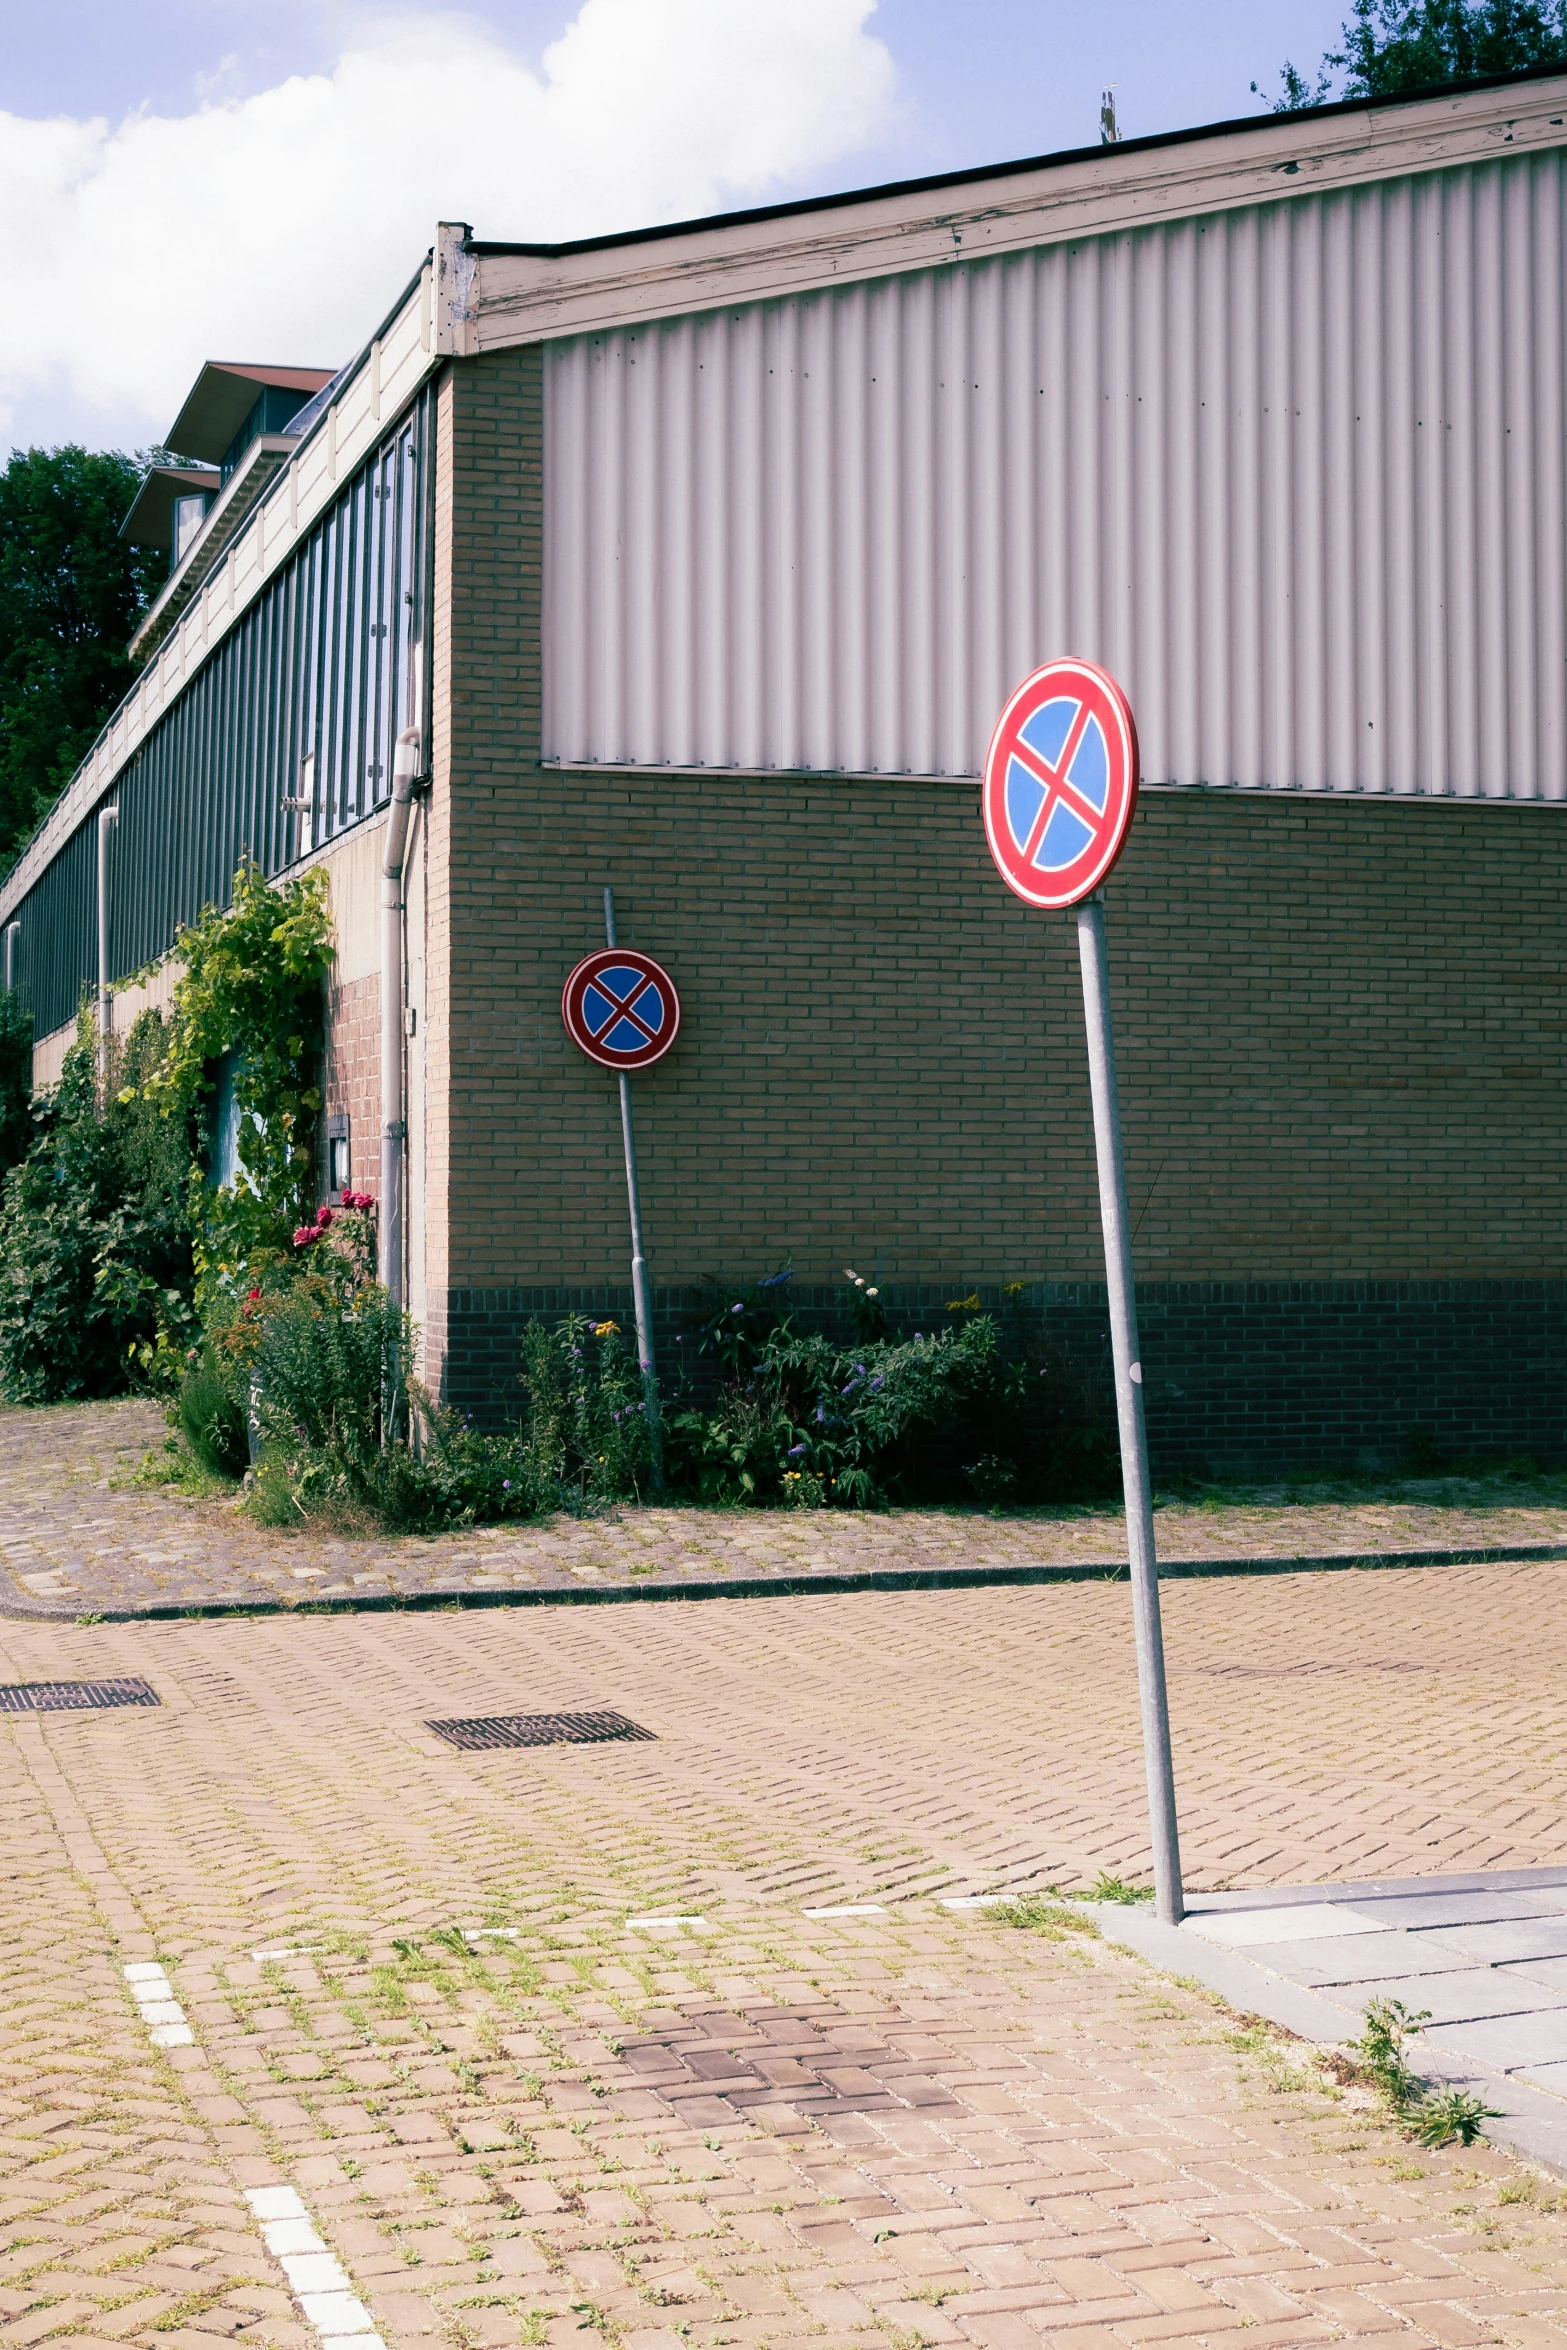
[(776, 1280), (737, 1309), (796, 1450), (876, 1382)]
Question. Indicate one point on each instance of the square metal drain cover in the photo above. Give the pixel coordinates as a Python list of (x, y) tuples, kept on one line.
[(62, 1697), (538, 1730)]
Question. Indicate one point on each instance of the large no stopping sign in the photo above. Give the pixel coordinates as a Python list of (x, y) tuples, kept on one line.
[(1060, 785), (621, 1008)]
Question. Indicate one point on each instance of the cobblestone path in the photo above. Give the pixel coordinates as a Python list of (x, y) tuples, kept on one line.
[(443, 1997), (74, 1541)]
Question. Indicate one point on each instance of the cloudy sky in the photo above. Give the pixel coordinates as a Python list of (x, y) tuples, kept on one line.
[(256, 179)]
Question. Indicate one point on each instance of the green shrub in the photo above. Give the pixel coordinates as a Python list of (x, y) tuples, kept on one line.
[(975, 1411), (212, 1414), (95, 1241), (585, 1437)]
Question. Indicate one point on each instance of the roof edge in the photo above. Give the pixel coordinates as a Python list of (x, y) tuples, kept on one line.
[(931, 184)]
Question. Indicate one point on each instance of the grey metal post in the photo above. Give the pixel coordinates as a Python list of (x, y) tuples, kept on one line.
[(1168, 1895), (641, 1292), (108, 818), (13, 931)]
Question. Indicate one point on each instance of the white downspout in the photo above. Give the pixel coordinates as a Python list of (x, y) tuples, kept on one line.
[(13, 931), (108, 818), (394, 1124)]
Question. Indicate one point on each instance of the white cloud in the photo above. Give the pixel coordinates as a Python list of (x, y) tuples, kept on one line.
[(284, 224)]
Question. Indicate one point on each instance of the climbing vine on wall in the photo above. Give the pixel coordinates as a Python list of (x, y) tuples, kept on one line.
[(249, 1001)]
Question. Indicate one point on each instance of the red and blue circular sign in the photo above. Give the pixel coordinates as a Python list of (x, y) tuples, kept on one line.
[(1060, 783), (621, 1008)]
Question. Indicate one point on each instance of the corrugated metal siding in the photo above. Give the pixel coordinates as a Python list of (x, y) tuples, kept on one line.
[(320, 666), (1293, 473)]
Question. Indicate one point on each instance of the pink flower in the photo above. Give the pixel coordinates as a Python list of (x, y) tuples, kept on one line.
[(304, 1234), (357, 1199), (323, 1218)]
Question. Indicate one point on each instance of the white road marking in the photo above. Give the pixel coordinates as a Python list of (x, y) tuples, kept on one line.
[(850, 1909), (654, 1925)]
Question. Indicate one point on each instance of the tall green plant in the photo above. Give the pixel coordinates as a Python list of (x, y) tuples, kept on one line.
[(95, 1257), (250, 995)]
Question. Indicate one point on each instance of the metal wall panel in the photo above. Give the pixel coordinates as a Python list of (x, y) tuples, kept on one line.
[(321, 669), (1294, 473)]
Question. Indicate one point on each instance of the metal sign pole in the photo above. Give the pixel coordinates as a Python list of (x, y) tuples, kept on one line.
[(642, 1296), (1168, 1895)]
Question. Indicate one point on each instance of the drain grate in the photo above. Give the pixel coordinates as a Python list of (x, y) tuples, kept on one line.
[(64, 1697), (537, 1730)]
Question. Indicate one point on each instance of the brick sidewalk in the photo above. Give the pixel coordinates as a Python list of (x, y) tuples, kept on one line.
[(73, 1544), (887, 2131)]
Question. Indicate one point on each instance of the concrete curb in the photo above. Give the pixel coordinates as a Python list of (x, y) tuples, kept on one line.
[(770, 1586), (1530, 2122)]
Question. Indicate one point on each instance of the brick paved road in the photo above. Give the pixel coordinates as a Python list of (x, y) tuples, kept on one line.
[(907, 2128), (71, 1543)]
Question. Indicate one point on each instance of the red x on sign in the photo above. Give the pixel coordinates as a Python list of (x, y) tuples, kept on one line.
[(1060, 783), (621, 1008)]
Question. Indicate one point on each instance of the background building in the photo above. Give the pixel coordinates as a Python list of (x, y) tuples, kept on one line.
[(702, 561)]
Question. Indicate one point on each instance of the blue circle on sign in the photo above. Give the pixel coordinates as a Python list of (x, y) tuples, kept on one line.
[(621, 1008)]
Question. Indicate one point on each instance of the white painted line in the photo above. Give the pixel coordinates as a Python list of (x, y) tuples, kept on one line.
[(850, 1909), (973, 1900), (290, 2235), (275, 2203), (654, 1924), (494, 1933), (336, 2313), (161, 2012), (316, 2277), (287, 1950)]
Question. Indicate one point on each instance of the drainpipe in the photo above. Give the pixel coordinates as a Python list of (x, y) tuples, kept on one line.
[(13, 931), (108, 818), (394, 1124)]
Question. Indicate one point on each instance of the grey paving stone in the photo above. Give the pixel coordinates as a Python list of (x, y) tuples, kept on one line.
[(1551, 1972), (1456, 1909), (1255, 1928), (1507, 2043), (1463, 1997), (1508, 1939), (1357, 1958)]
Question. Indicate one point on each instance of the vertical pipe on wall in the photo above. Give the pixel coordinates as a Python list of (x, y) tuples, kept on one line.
[(394, 1125), (108, 818), (13, 931)]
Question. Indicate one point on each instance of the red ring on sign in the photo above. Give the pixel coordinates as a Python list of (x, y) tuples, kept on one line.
[(621, 1008), (1060, 783)]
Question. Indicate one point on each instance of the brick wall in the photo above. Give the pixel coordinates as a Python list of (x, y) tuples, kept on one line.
[(351, 1081), (1339, 1024)]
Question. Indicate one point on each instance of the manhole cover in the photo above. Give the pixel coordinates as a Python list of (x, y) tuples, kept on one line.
[(61, 1697), (538, 1730)]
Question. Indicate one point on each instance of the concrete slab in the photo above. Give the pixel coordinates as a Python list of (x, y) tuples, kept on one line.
[(1378, 1888), (1519, 1938), (1530, 2105), (1462, 1997), (1551, 1973), (1360, 1958), (1462, 1909), (1507, 2043), (1238, 1929)]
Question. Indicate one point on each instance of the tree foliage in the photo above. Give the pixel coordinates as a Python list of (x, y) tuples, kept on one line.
[(1392, 45), (71, 593)]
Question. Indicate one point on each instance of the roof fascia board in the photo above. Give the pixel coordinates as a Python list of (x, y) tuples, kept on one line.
[(393, 366), (224, 519), (529, 296)]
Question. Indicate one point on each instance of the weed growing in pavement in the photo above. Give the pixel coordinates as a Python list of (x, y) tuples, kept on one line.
[(1039, 1914), (1108, 1888), (1434, 2116)]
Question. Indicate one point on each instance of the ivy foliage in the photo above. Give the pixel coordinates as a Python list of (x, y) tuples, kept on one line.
[(250, 998), (95, 1245)]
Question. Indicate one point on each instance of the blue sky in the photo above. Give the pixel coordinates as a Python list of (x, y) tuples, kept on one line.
[(195, 178)]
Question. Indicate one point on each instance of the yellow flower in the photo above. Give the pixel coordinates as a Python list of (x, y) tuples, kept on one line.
[(606, 1329), (956, 1305)]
